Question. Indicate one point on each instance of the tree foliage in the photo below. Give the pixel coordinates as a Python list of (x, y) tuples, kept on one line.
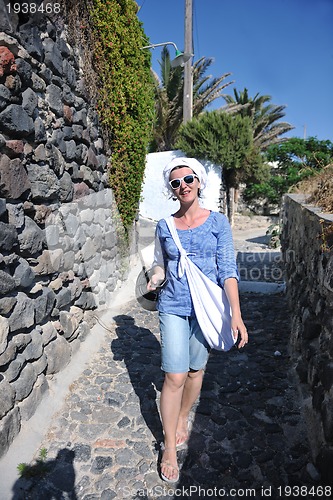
[(304, 153), (292, 161), (169, 88), (225, 140), (215, 136), (264, 116)]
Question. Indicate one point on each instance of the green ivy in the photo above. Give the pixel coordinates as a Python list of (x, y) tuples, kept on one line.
[(126, 100), (109, 37)]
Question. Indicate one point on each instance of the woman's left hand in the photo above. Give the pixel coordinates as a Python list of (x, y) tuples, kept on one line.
[(239, 330)]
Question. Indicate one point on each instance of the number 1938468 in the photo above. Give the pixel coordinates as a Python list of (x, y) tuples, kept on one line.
[(33, 8)]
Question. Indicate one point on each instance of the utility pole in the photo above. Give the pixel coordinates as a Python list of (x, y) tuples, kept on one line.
[(188, 76)]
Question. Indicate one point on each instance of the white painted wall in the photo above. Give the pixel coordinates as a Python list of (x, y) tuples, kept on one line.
[(155, 203)]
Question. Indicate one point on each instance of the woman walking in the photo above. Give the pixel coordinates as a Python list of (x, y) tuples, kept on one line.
[(206, 237)]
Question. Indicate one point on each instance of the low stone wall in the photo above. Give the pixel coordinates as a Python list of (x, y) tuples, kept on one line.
[(307, 246), (60, 252)]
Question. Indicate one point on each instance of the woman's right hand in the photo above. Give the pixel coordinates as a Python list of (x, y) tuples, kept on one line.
[(156, 280)]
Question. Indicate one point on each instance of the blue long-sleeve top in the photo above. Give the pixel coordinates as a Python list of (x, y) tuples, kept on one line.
[(209, 246)]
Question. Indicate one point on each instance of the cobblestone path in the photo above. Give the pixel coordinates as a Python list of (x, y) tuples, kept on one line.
[(247, 434)]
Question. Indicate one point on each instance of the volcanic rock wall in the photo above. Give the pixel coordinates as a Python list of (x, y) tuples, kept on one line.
[(307, 246), (59, 230)]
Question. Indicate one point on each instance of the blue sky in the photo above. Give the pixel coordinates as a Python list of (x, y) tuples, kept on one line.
[(283, 48)]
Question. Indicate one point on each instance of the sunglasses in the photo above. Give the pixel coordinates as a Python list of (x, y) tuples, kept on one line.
[(188, 179)]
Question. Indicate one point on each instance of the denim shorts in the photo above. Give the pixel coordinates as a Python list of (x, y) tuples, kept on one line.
[(183, 345)]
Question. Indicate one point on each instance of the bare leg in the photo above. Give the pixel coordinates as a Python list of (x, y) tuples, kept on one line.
[(191, 392), (170, 404)]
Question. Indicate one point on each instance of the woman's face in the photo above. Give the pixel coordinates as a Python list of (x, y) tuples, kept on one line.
[(186, 192)]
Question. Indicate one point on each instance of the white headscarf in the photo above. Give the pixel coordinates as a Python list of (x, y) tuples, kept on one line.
[(191, 163)]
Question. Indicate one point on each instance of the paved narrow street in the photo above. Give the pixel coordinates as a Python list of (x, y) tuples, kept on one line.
[(247, 433)]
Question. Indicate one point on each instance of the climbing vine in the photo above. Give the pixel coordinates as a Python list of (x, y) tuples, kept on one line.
[(124, 92)]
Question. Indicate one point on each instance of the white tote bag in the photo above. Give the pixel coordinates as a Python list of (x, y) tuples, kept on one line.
[(210, 302)]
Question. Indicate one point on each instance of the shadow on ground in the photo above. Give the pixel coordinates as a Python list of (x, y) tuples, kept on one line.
[(259, 240), (248, 435), (135, 346), (51, 479), (248, 432)]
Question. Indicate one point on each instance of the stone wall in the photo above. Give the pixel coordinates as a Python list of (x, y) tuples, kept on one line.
[(307, 246), (60, 257)]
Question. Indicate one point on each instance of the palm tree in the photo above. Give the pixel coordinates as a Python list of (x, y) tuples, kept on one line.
[(169, 97), (266, 128)]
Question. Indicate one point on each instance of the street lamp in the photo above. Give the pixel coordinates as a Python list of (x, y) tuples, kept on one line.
[(181, 57)]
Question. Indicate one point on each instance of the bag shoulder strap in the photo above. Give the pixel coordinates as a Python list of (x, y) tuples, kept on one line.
[(172, 228), (183, 260)]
